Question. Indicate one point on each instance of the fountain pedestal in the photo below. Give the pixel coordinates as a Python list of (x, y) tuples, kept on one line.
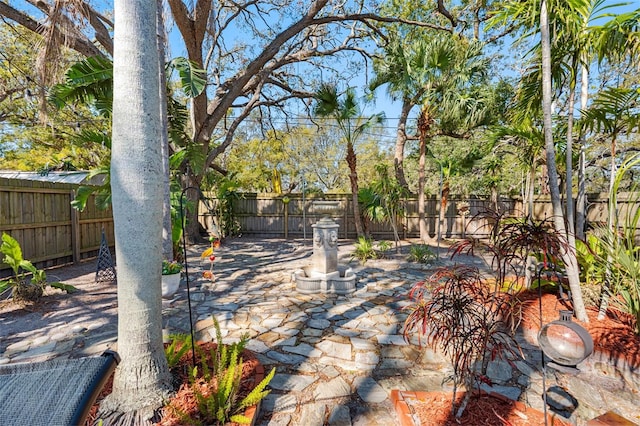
[(325, 246), (324, 275)]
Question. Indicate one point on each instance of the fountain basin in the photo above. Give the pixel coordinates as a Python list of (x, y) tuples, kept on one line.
[(308, 281)]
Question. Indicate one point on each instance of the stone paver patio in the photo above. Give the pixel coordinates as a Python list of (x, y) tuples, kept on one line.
[(337, 357)]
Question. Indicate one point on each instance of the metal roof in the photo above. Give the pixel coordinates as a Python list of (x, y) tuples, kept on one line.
[(74, 177)]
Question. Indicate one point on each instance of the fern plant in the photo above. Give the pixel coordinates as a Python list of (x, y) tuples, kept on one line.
[(216, 387), (179, 345)]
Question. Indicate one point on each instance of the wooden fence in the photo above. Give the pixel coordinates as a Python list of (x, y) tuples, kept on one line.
[(40, 217), (267, 215)]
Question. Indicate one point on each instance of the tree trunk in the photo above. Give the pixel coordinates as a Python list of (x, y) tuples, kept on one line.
[(401, 140), (353, 178), (569, 160), (424, 232), (568, 255), (167, 242), (581, 199), (142, 380), (444, 203)]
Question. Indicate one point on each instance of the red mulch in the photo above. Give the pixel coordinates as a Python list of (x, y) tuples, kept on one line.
[(434, 408), (613, 335), (184, 398)]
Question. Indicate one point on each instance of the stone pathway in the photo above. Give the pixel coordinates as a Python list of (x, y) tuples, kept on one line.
[(336, 357)]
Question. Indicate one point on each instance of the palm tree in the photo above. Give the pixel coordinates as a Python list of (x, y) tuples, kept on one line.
[(142, 380), (569, 255), (397, 69), (351, 125), (453, 101)]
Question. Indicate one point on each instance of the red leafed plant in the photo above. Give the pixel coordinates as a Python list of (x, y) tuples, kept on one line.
[(454, 310)]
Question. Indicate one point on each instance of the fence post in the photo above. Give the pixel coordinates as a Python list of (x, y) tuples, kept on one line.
[(75, 230)]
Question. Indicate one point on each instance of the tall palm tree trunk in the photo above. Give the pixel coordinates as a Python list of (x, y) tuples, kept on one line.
[(142, 379), (167, 241), (581, 199), (569, 254), (401, 140), (353, 179)]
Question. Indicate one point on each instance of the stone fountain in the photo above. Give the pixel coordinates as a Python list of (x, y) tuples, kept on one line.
[(324, 275)]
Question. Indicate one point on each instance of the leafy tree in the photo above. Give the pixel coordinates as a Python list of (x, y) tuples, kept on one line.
[(351, 126)]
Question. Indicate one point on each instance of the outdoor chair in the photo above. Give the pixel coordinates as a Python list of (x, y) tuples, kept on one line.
[(54, 392)]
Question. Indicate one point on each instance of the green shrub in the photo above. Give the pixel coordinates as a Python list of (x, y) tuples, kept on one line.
[(364, 250), (421, 253), (382, 247)]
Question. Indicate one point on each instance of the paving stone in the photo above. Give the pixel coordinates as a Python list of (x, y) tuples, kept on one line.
[(320, 324), (313, 413), (269, 337), (285, 358), (39, 341), (334, 388), (279, 403), (272, 322), (394, 339), (395, 363), (291, 341), (499, 371), (289, 382), (340, 416), (303, 349), (347, 332), (511, 392), (369, 390), (367, 358), (312, 332), (330, 371), (287, 330), (278, 419), (17, 347), (335, 349), (362, 344)]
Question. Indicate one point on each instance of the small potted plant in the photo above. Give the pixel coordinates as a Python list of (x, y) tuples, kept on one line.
[(170, 278)]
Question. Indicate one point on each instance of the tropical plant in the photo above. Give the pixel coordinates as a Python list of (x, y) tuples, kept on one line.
[(364, 250), (347, 115), (179, 344), (216, 387), (513, 244), (170, 268), (455, 311), (227, 194), (23, 290), (386, 204), (621, 253), (421, 253)]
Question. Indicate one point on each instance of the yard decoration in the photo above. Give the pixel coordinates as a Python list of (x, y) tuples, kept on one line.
[(209, 253)]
